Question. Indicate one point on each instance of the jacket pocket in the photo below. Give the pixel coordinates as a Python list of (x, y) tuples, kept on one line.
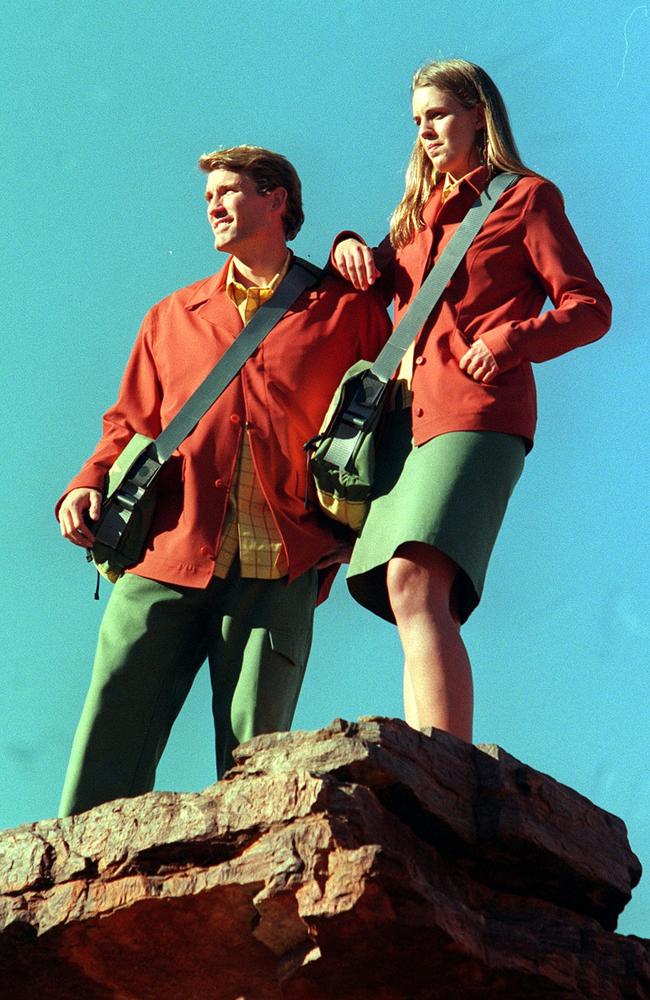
[(460, 340)]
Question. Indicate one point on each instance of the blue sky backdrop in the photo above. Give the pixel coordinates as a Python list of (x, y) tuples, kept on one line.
[(107, 107)]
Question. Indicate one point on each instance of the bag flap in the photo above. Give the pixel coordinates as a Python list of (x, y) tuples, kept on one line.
[(123, 463)]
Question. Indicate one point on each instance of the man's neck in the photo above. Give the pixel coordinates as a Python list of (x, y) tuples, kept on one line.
[(259, 270)]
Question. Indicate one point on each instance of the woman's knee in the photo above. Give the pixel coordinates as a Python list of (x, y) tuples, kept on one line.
[(419, 579)]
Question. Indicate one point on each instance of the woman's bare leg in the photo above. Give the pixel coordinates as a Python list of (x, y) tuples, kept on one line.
[(410, 704), (438, 676)]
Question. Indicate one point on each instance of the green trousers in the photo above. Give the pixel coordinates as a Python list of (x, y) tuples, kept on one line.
[(256, 636)]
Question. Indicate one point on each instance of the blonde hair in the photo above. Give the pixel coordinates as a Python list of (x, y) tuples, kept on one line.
[(471, 86), (268, 171)]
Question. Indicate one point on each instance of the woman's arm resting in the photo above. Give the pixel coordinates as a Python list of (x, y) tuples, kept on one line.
[(354, 261)]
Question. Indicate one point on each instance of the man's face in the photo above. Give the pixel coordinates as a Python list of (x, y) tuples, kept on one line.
[(240, 218)]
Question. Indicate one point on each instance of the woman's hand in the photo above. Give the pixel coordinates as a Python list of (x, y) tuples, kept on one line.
[(479, 362), (354, 261)]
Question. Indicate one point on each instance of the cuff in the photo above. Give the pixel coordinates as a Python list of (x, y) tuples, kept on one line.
[(505, 355)]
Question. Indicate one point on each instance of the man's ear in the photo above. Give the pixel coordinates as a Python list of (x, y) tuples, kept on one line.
[(278, 199)]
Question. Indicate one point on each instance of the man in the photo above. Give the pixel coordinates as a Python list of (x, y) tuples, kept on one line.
[(235, 561)]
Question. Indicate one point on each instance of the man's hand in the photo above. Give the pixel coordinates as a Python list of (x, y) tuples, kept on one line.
[(479, 362), (354, 261), (71, 515)]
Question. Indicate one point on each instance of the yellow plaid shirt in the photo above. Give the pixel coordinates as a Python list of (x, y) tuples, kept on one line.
[(249, 528)]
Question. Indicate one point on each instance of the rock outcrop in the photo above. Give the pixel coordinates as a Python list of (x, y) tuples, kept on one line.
[(364, 861)]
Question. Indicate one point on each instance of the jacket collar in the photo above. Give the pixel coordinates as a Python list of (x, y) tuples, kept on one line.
[(210, 302), (472, 184), (207, 289), (477, 179), (216, 283), (462, 198)]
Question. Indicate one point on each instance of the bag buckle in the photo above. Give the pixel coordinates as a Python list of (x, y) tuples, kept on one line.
[(363, 405), (129, 495)]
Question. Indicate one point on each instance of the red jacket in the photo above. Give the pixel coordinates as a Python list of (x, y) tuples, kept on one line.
[(526, 252), (281, 394)]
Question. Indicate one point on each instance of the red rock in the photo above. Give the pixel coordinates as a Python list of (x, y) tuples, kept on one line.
[(361, 861)]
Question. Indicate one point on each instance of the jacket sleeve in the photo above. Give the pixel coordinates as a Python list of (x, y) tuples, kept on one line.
[(384, 255), (375, 322), (137, 410), (581, 310)]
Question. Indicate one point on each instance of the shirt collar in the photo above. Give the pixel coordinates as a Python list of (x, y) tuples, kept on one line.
[(209, 287), (236, 290)]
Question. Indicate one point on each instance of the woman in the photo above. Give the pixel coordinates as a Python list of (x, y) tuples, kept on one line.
[(465, 409)]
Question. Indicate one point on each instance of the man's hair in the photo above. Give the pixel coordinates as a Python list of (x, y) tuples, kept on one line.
[(268, 171)]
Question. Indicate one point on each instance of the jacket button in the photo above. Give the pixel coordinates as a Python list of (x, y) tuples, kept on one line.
[(420, 360), (218, 482), (419, 412), (206, 550), (235, 418)]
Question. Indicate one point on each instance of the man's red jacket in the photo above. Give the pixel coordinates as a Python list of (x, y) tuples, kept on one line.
[(280, 395)]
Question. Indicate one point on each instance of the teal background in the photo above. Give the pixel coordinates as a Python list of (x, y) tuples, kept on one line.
[(107, 107)]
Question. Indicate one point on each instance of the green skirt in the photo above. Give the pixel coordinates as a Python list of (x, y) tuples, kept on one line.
[(451, 493)]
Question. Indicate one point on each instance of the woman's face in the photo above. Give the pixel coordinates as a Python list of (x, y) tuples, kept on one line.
[(447, 130)]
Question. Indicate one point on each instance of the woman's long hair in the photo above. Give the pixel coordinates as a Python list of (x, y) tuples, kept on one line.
[(470, 85)]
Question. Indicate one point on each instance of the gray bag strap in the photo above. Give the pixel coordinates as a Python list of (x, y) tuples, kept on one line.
[(438, 278), (301, 275)]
